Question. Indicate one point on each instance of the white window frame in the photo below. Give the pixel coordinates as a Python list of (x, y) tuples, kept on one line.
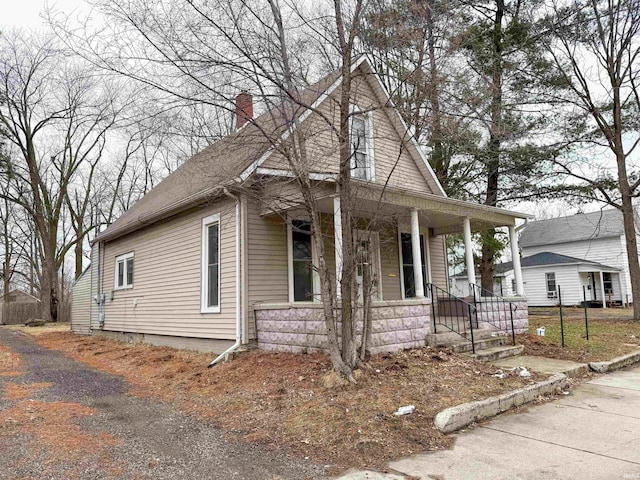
[(551, 294), (427, 253), (122, 258), (369, 148), (204, 280), (314, 261)]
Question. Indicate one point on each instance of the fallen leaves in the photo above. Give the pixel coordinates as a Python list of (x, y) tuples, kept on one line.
[(292, 401)]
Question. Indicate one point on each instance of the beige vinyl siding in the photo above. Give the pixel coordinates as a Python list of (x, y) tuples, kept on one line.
[(81, 304), (167, 278), (390, 264), (437, 250), (396, 158), (267, 262), (94, 309)]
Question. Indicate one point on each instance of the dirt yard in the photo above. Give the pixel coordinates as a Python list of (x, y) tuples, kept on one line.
[(612, 333), (287, 400)]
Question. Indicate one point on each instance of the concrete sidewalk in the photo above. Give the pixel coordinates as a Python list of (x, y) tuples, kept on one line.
[(594, 433)]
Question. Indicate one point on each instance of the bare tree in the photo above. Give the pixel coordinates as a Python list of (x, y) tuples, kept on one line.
[(595, 46), (55, 119)]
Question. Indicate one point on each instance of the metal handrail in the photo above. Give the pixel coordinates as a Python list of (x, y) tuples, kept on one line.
[(462, 308), (493, 299)]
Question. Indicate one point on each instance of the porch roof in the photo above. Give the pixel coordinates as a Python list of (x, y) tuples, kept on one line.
[(443, 214)]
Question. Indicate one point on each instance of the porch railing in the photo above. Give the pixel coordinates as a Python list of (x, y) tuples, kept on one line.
[(494, 309), (452, 313)]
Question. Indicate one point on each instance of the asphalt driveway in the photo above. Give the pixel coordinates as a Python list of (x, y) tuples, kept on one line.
[(594, 433), (60, 419)]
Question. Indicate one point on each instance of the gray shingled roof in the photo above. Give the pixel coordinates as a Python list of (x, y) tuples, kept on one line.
[(203, 176), (583, 226), (541, 259)]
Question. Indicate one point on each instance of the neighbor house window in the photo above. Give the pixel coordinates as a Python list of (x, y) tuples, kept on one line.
[(211, 264), (361, 148), (551, 285), (608, 283), (407, 265), (302, 261), (124, 271)]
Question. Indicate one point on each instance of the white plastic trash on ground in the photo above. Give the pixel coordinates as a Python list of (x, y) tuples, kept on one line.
[(541, 331), (406, 410)]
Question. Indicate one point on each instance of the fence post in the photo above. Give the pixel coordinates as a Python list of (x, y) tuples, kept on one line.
[(586, 316), (561, 320)]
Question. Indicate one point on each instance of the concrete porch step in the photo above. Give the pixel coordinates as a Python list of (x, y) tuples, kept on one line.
[(482, 344), (496, 353)]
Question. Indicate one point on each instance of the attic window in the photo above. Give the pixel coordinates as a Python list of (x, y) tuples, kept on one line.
[(361, 148)]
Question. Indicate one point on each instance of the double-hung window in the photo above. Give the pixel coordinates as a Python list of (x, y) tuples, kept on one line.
[(551, 285), (407, 264), (361, 151), (210, 295), (608, 283), (124, 271), (302, 261)]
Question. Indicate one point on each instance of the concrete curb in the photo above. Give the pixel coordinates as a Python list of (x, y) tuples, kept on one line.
[(455, 418), (616, 363)]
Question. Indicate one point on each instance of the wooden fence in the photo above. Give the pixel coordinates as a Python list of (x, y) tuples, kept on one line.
[(16, 313)]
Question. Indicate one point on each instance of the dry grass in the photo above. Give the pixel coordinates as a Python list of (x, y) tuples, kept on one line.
[(10, 363), (46, 328), (281, 399), (611, 333)]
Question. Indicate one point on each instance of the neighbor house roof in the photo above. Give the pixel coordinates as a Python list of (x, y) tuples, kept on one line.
[(542, 259), (583, 226)]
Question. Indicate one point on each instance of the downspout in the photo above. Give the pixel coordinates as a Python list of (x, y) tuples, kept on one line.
[(238, 286)]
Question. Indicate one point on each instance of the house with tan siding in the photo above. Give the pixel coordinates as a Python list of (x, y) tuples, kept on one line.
[(219, 254)]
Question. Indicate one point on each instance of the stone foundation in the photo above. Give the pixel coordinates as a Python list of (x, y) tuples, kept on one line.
[(498, 314), (395, 325)]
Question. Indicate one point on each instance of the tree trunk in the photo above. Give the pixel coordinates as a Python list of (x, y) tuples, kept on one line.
[(495, 144), (78, 254)]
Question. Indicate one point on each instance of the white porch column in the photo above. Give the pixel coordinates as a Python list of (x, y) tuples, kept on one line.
[(515, 258), (337, 228), (602, 291), (415, 250), (468, 249)]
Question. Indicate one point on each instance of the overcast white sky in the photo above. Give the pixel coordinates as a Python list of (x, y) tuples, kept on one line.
[(26, 13)]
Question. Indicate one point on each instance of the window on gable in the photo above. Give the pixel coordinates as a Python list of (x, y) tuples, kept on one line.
[(302, 261), (124, 271), (551, 285), (361, 152), (211, 264)]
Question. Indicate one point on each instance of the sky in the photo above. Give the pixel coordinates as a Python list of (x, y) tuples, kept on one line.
[(26, 13)]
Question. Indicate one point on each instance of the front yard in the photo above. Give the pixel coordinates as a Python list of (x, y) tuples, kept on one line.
[(287, 400), (612, 333)]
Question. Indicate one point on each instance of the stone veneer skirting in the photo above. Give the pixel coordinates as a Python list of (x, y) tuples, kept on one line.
[(300, 327), (498, 314)]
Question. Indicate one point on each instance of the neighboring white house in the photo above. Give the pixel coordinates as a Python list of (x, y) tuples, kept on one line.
[(504, 282), (587, 249)]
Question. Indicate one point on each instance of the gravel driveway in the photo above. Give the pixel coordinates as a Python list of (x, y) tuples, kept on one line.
[(84, 425)]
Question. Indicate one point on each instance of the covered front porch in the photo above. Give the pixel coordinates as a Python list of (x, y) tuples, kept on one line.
[(404, 235)]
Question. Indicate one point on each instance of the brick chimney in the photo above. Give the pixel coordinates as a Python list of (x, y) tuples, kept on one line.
[(244, 108)]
